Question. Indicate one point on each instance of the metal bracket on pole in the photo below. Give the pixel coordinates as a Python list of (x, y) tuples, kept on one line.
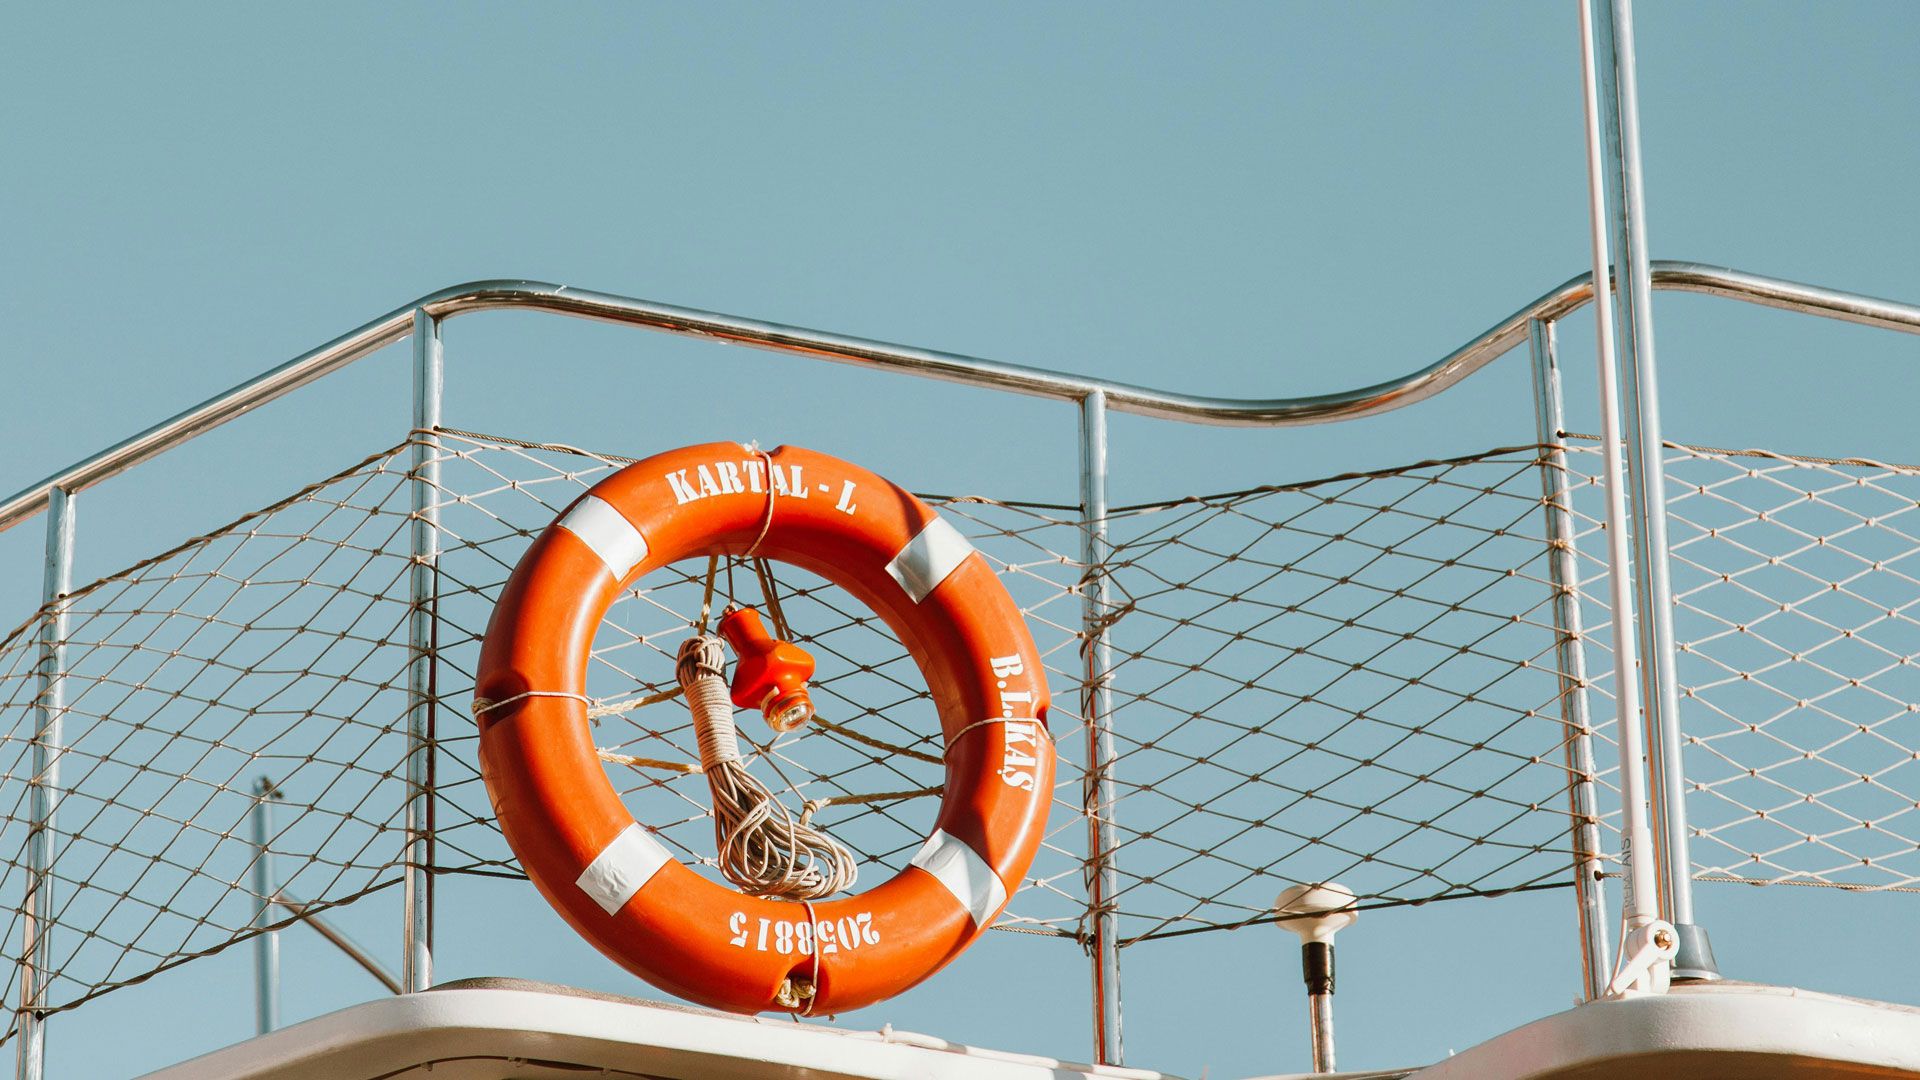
[(37, 911), (1564, 572), (1103, 881), (1646, 958), (1633, 300), (416, 970)]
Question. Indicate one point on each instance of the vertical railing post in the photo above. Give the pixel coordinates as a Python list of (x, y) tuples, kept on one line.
[(266, 943), (417, 964), (36, 913), (1096, 697), (1563, 570), (1633, 300)]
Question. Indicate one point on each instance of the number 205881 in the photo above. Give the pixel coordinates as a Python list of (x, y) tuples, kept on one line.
[(788, 938)]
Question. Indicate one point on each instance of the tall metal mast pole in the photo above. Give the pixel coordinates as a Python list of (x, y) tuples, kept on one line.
[(1633, 301), (1639, 902)]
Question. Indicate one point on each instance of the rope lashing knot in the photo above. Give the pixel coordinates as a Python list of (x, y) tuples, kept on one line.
[(1097, 626), (481, 706), (595, 710), (766, 519), (762, 848)]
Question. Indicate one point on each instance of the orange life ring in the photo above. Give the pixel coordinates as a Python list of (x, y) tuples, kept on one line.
[(615, 883)]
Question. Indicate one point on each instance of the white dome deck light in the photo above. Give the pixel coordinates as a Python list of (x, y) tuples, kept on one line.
[(1316, 913)]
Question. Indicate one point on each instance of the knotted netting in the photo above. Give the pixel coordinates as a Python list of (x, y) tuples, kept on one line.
[(1796, 587), (1355, 679)]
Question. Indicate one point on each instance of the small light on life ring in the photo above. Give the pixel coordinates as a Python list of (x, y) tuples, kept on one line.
[(771, 674)]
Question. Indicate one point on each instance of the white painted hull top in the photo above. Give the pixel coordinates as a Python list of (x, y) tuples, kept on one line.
[(508, 1029), (1698, 1031), (511, 1029), (1703, 1031)]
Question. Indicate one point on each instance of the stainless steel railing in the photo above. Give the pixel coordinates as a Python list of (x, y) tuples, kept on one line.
[(1093, 397), (928, 363)]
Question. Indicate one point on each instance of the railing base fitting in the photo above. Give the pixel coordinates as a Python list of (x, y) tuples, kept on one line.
[(1694, 961)]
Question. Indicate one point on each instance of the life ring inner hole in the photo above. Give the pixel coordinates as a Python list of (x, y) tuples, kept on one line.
[(867, 769)]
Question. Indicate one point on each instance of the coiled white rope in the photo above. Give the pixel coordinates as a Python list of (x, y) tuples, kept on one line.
[(762, 847)]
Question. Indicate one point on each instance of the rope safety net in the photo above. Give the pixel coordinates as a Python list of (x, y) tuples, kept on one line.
[(1353, 679)]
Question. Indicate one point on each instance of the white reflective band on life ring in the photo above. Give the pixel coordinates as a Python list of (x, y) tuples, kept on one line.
[(622, 867), (965, 874), (935, 552), (608, 532)]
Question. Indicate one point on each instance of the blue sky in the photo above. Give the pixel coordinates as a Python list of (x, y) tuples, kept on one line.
[(1234, 199)]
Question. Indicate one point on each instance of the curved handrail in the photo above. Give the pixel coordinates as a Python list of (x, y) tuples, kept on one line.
[(955, 367)]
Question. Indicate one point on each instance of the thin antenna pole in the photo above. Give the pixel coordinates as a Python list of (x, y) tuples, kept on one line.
[(1646, 467), (1640, 897)]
